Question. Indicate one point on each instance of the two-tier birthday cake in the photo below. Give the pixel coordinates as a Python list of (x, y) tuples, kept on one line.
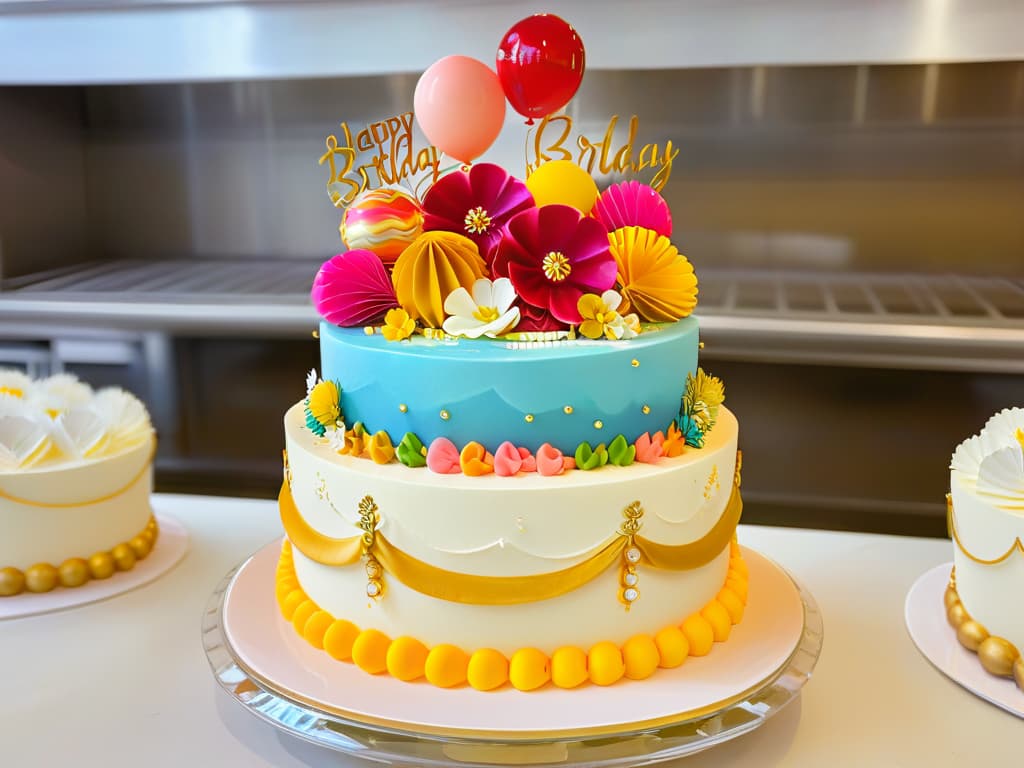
[(510, 470), (986, 523), (75, 482)]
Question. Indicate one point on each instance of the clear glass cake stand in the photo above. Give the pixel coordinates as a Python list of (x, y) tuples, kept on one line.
[(407, 748)]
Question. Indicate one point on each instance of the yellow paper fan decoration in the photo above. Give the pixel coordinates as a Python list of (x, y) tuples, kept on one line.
[(657, 280), (432, 267)]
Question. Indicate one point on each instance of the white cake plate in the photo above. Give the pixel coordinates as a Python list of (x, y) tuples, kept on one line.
[(931, 633), (260, 660), (171, 545)]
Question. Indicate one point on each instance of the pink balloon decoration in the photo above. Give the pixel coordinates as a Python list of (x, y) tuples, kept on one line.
[(353, 288), (460, 106), (632, 204)]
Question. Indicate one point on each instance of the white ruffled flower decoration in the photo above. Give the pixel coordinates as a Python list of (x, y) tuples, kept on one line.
[(14, 383), (25, 434), (311, 380), (488, 312), (995, 457)]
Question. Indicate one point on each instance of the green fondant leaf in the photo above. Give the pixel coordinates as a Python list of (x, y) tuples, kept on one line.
[(411, 451), (583, 455), (590, 458), (621, 453)]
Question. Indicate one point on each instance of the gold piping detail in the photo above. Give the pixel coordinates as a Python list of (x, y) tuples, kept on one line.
[(1017, 546)]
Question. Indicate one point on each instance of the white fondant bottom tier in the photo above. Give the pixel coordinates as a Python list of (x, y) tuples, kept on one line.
[(51, 515), (513, 526)]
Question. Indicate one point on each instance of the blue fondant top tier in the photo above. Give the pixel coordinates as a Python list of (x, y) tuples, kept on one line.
[(561, 393)]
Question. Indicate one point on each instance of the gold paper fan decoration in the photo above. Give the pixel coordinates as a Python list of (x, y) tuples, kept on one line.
[(434, 265), (655, 278)]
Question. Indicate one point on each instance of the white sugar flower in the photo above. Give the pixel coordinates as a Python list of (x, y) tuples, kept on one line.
[(488, 312), (311, 380)]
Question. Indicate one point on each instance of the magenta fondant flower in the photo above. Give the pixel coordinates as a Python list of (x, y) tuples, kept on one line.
[(476, 203), (553, 255)]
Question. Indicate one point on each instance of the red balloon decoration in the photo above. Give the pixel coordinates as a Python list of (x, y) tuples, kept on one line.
[(540, 64)]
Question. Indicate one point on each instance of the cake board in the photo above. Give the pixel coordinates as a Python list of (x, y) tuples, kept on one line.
[(937, 642), (259, 659), (170, 548)]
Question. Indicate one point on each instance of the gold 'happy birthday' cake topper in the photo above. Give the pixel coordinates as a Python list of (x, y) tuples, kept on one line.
[(390, 158)]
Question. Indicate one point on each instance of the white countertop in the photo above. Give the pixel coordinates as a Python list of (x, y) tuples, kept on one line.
[(125, 682)]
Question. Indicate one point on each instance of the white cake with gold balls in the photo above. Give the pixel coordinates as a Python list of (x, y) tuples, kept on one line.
[(75, 482), (986, 523)]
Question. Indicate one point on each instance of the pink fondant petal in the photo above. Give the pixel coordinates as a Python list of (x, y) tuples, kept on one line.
[(550, 460), (443, 457), (507, 460)]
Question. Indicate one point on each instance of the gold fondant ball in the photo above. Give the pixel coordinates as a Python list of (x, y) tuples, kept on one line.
[(124, 557), (1018, 672), (41, 577), (12, 582), (950, 597), (957, 615), (998, 656), (101, 565), (73, 572), (141, 545), (971, 634)]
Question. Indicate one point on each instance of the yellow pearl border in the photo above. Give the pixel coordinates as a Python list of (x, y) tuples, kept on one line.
[(528, 669), (997, 655), (76, 571)]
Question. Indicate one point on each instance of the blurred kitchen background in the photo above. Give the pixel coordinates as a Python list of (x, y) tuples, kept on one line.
[(849, 186)]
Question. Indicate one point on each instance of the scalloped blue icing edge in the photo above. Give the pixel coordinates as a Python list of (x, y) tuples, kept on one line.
[(488, 387)]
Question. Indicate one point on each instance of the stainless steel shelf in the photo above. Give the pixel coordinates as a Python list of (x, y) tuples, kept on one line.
[(117, 41), (940, 322)]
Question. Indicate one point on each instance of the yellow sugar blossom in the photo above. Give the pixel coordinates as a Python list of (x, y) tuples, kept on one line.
[(601, 318), (703, 396), (397, 325), (324, 403)]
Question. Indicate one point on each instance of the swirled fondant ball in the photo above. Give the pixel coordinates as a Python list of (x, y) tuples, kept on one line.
[(563, 182), (384, 221), (430, 269)]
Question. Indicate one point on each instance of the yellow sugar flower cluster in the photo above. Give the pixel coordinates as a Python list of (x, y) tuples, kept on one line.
[(602, 319)]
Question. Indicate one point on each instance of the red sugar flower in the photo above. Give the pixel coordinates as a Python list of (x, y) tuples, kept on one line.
[(553, 255)]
